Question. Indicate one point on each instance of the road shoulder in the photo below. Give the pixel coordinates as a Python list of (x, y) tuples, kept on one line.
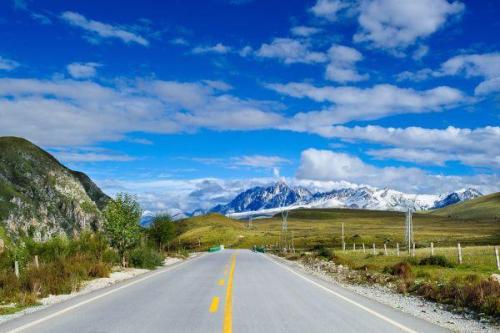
[(411, 305)]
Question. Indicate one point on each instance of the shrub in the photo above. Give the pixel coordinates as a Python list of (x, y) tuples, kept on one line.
[(401, 269), (99, 270), (436, 261), (143, 257), (324, 252)]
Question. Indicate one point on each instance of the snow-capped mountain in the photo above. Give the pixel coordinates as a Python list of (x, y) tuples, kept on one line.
[(271, 199), (264, 197), (457, 196)]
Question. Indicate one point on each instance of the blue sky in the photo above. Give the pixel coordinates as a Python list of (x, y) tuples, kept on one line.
[(189, 101)]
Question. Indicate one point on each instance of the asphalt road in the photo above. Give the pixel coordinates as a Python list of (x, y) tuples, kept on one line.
[(227, 291)]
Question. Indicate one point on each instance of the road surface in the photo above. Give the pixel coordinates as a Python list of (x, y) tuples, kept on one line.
[(226, 291)]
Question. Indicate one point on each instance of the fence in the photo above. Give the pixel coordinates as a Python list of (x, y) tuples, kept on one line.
[(470, 255)]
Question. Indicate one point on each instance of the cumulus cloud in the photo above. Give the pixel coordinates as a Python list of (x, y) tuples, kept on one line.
[(260, 161), (328, 9), (8, 64), (326, 165), (251, 161), (352, 103), (90, 155), (425, 145), (304, 31), (290, 51), (480, 65), (80, 70), (342, 65), (394, 24), (217, 48), (98, 30), (70, 112)]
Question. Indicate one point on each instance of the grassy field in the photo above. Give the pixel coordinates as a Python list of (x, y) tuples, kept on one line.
[(478, 260), (322, 227)]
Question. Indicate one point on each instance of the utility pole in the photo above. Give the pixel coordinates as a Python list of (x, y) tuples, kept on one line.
[(343, 240), (284, 228), (409, 230)]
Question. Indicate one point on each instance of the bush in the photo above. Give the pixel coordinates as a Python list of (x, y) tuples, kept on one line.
[(482, 295), (143, 257), (436, 261), (324, 252), (401, 269)]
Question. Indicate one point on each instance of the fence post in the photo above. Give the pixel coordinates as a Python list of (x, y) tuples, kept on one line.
[(343, 246), (397, 249), (432, 248), (498, 258), (354, 246), (364, 251), (413, 252), (374, 249), (16, 268), (459, 248), (385, 249), (36, 262)]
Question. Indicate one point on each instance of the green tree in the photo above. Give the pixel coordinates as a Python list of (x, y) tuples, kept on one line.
[(121, 224), (162, 230)]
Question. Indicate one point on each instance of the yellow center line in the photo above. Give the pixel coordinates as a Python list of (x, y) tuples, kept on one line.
[(228, 305), (221, 282), (214, 305)]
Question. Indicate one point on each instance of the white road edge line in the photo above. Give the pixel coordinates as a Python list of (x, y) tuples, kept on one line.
[(376, 314), (74, 306)]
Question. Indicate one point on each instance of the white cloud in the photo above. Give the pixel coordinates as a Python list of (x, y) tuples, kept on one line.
[(304, 31), (420, 75), (342, 66), (488, 87), (352, 103), (179, 41), (420, 52), (75, 156), (485, 65), (395, 24), (328, 9), (326, 165), (259, 161), (252, 161), (70, 112), (8, 64), (80, 70), (290, 51), (99, 30), (424, 145), (480, 65), (217, 48)]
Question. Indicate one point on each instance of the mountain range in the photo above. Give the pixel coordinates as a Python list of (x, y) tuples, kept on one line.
[(267, 200)]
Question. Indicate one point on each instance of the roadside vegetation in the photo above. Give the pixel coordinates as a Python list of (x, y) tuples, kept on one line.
[(438, 277), (62, 264)]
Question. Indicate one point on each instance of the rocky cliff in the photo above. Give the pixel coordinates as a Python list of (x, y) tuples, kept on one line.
[(41, 197)]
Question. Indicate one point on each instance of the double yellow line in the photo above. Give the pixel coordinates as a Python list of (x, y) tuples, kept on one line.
[(227, 326)]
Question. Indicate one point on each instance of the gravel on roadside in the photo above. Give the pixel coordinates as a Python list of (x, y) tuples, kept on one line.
[(414, 305)]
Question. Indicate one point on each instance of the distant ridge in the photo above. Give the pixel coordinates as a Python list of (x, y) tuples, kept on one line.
[(277, 196)]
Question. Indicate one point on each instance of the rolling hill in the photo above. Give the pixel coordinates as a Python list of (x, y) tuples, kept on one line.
[(485, 207)]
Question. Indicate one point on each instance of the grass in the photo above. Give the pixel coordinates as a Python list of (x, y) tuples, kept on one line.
[(486, 207), (477, 260), (322, 227)]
